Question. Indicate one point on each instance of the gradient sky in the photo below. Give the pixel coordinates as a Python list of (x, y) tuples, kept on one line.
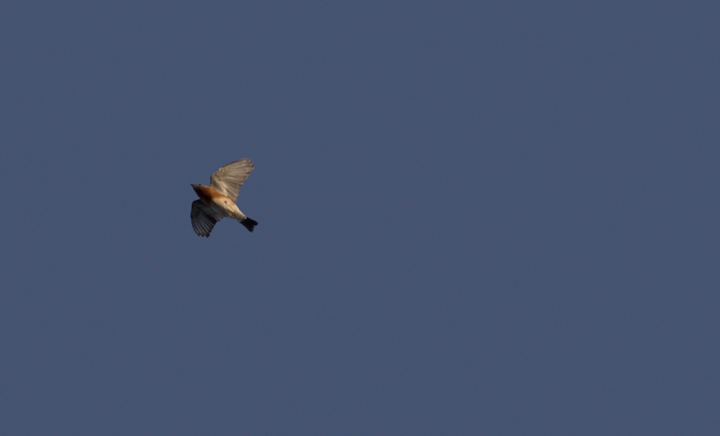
[(475, 218)]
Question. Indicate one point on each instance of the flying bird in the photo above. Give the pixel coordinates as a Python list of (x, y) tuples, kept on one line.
[(217, 201)]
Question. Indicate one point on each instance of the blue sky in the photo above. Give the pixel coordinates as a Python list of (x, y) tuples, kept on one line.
[(474, 218)]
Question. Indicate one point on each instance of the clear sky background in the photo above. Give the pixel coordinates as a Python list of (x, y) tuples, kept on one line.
[(474, 218)]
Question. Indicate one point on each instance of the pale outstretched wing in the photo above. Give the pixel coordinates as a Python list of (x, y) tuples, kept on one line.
[(228, 179), (203, 218)]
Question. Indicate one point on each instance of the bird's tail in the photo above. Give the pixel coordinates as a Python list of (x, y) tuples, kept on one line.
[(248, 223)]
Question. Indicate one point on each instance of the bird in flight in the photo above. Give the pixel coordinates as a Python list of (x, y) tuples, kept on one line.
[(217, 201)]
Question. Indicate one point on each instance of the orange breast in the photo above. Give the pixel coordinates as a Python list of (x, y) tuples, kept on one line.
[(206, 194)]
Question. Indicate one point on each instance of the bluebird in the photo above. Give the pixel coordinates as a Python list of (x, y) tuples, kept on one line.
[(217, 201)]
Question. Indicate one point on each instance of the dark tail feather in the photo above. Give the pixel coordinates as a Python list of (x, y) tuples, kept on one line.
[(249, 223)]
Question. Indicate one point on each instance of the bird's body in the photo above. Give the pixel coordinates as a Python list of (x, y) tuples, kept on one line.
[(217, 201), (220, 204)]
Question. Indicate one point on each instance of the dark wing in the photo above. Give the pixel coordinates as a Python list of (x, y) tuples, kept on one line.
[(203, 218), (228, 179)]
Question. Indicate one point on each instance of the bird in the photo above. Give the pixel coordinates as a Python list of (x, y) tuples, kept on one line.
[(217, 201)]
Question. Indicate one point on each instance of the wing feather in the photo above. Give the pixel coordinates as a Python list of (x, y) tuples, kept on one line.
[(203, 218), (228, 179)]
